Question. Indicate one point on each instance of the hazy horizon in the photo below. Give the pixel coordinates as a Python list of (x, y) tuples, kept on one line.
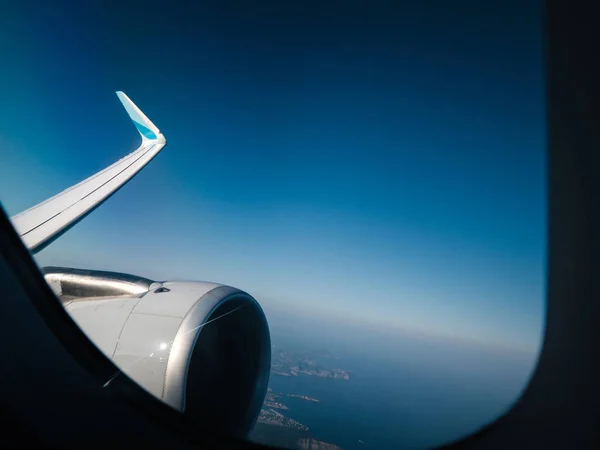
[(416, 392)]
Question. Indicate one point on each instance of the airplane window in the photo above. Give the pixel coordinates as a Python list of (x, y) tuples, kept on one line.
[(350, 249)]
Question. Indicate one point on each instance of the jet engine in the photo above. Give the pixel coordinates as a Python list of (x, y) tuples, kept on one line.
[(202, 348)]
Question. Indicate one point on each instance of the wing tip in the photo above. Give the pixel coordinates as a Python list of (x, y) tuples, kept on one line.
[(145, 127)]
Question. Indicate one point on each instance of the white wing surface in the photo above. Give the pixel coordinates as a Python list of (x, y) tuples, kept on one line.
[(42, 224)]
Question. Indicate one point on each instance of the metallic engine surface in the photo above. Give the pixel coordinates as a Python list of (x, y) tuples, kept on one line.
[(81, 283), (167, 335)]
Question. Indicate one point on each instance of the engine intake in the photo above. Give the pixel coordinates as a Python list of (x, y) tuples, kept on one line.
[(203, 348)]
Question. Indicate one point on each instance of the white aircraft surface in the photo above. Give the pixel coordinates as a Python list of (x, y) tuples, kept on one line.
[(203, 348), (41, 224)]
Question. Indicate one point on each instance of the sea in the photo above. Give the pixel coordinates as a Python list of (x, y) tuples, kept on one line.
[(410, 394)]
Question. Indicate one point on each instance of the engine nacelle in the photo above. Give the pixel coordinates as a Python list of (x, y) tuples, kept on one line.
[(202, 348)]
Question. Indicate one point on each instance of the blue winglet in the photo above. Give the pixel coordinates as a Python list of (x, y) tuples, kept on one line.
[(146, 132), (144, 126)]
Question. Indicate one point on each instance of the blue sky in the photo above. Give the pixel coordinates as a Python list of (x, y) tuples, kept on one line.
[(382, 164)]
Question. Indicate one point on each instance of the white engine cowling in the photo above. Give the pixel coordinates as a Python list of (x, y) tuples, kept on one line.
[(202, 348)]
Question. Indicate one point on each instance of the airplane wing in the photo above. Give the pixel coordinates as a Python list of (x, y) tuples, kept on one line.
[(156, 332), (42, 224)]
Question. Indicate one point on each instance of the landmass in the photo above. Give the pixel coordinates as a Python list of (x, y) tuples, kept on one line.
[(271, 417), (312, 444), (288, 363), (273, 401), (273, 427), (304, 397), (281, 435), (274, 435)]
